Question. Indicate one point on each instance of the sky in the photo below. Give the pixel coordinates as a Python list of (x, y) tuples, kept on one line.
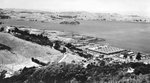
[(139, 7)]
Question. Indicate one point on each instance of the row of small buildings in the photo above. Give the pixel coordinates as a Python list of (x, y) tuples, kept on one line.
[(106, 50), (102, 49)]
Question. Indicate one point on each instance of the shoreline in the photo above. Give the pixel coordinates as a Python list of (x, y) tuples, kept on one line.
[(75, 31), (106, 41)]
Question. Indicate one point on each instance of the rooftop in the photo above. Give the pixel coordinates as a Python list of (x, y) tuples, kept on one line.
[(106, 49)]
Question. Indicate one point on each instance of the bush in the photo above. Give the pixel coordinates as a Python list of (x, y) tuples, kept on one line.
[(59, 73), (65, 73), (39, 39)]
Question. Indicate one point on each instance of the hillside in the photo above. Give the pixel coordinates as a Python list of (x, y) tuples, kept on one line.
[(22, 51), (18, 47), (47, 16)]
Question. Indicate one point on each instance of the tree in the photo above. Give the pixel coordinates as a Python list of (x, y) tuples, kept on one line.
[(63, 50), (1, 29), (57, 45), (2, 74), (125, 55), (138, 56)]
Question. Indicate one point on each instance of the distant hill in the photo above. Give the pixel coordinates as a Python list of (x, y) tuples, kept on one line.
[(46, 16)]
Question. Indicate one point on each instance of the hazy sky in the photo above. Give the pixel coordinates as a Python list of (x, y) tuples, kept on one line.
[(141, 7)]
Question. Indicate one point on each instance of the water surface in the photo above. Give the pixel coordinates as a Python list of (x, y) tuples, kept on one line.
[(127, 35)]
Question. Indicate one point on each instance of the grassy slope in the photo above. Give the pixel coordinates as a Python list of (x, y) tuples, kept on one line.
[(22, 51), (70, 57)]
